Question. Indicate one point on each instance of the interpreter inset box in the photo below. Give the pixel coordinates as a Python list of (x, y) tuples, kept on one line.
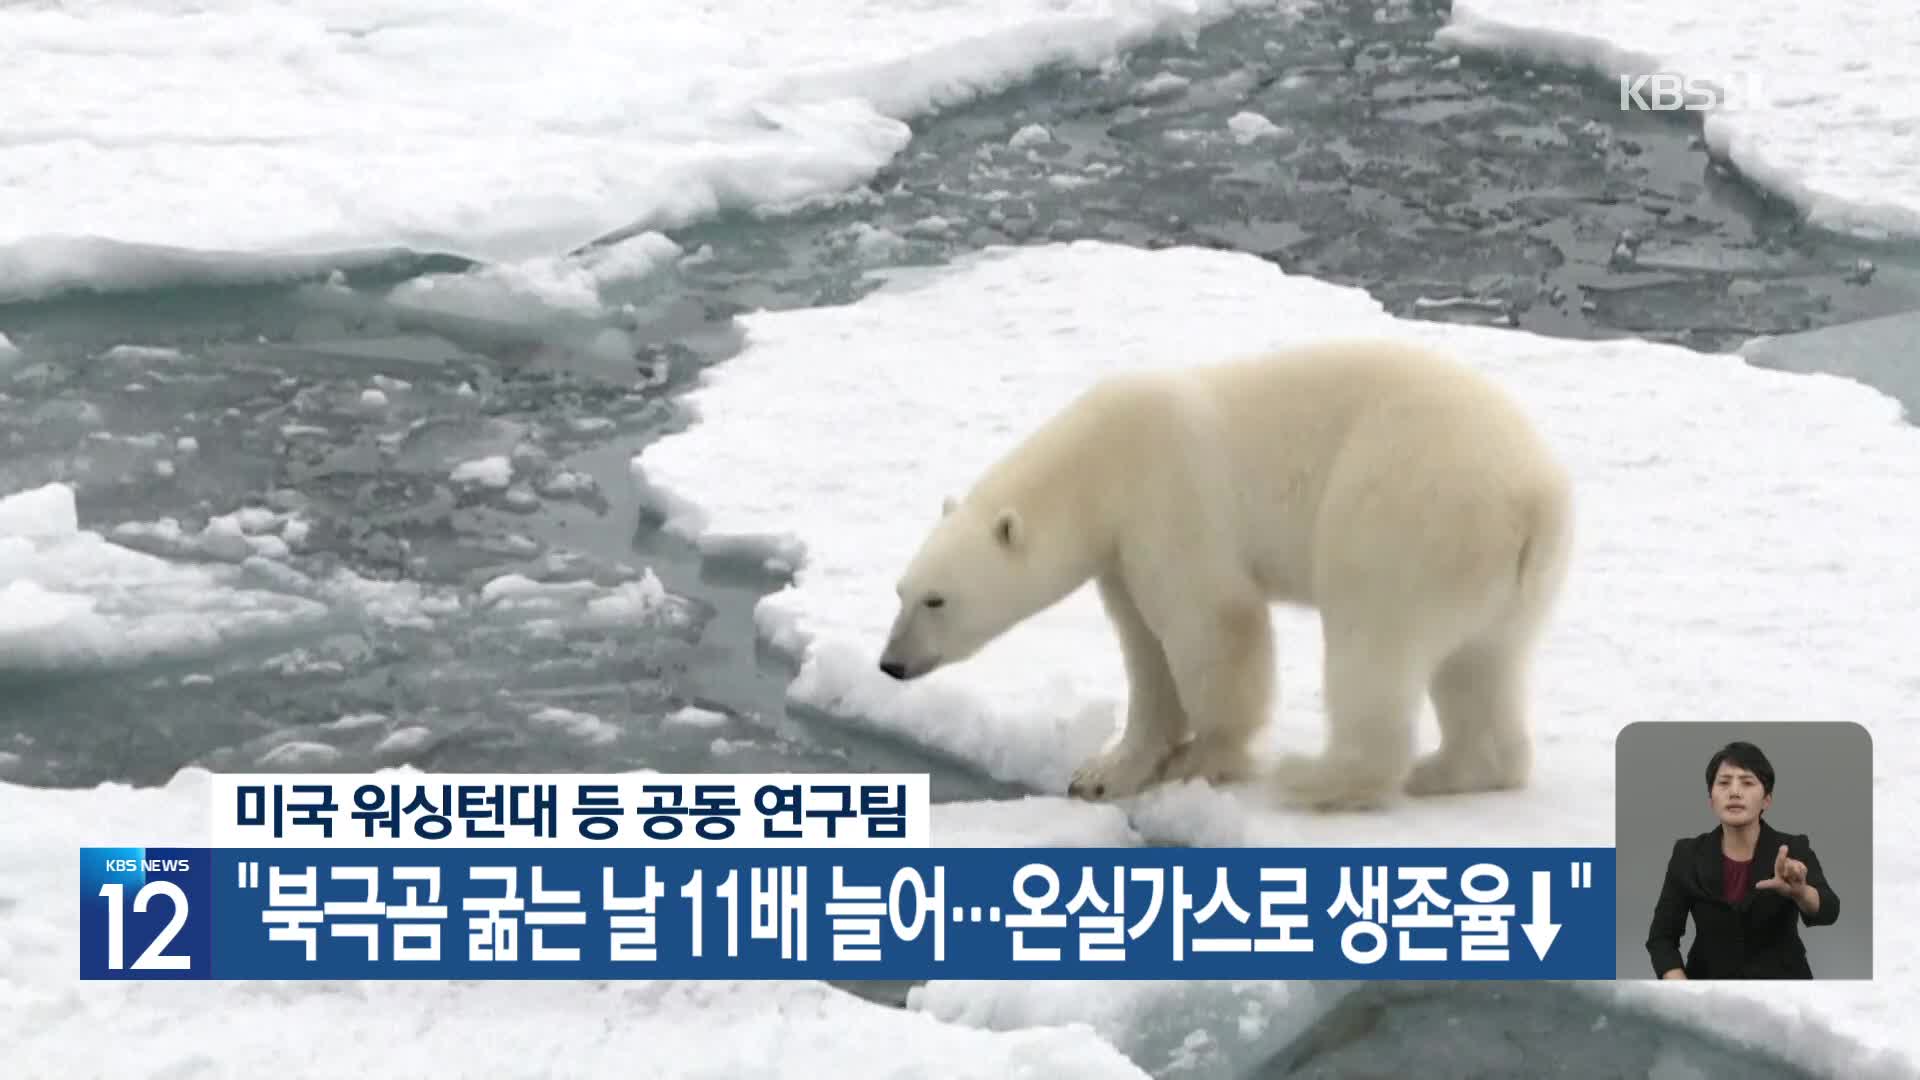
[(1744, 851)]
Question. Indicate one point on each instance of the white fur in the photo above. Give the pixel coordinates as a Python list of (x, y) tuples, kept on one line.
[(1399, 493)]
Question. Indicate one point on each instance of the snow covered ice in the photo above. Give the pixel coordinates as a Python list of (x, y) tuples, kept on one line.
[(73, 599), (216, 139), (1824, 99), (1723, 572)]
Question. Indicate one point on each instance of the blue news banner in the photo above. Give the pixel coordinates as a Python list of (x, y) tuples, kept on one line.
[(378, 912)]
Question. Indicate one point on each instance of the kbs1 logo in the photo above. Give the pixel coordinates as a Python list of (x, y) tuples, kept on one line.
[(1668, 91)]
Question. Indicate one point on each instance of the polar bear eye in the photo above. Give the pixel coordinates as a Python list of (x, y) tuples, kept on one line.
[(935, 600)]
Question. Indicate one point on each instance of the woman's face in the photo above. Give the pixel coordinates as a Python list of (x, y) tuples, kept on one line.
[(1737, 796)]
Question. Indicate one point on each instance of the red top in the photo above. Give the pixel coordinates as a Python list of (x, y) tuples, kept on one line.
[(1733, 878)]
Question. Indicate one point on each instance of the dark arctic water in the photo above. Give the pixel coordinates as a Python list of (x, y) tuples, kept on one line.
[(1499, 1031), (1450, 188)]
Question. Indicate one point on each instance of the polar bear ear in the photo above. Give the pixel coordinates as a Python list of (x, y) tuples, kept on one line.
[(1008, 529), (947, 505)]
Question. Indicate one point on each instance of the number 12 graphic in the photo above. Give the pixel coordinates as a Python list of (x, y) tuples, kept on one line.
[(154, 957)]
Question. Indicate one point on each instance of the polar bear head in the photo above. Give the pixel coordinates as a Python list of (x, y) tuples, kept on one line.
[(973, 578)]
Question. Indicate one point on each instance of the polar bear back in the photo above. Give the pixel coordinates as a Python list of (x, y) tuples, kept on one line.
[(1380, 458)]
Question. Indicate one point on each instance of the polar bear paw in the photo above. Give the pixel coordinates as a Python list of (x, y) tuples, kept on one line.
[(1445, 773), (1217, 761), (1331, 784), (1121, 771)]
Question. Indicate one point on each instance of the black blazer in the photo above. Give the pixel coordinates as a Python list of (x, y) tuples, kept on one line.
[(1758, 938)]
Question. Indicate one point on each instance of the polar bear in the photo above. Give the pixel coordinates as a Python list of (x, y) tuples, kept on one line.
[(1393, 489)]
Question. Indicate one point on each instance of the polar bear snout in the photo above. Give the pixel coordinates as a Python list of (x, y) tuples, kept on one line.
[(908, 654), (896, 666), (903, 671)]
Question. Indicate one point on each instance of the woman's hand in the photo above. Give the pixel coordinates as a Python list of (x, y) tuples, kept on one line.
[(1790, 880), (1789, 875)]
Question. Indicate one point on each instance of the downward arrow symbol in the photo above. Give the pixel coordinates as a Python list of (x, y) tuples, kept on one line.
[(1541, 929)]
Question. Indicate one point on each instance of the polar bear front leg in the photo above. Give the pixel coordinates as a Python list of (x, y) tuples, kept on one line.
[(1223, 665), (1155, 722)]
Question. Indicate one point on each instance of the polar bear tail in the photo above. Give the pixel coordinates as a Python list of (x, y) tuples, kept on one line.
[(1540, 569)]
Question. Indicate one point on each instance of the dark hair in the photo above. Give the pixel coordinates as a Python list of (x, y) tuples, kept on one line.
[(1747, 756)]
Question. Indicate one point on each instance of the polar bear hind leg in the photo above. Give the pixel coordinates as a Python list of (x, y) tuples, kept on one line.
[(1479, 699), (1480, 690), (1375, 684)]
